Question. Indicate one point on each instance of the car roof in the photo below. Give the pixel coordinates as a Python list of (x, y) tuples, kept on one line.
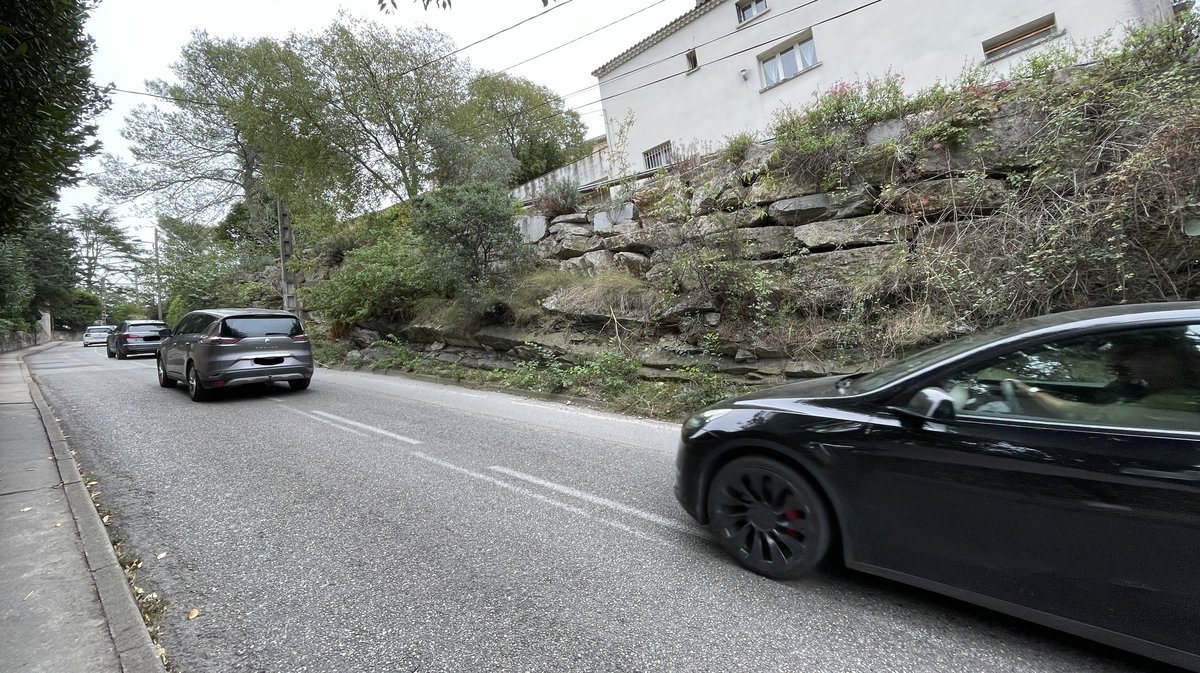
[(143, 322), (230, 312)]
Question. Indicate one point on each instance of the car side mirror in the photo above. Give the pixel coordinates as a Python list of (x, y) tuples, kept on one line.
[(930, 404), (164, 332)]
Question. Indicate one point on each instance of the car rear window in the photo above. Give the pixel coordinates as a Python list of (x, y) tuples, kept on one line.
[(253, 326), (146, 328), (97, 329)]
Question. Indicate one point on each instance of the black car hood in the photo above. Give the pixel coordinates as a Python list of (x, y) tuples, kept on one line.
[(826, 386)]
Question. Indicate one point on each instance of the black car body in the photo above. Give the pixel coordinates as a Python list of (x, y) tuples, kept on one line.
[(1092, 527), (229, 347), (134, 337)]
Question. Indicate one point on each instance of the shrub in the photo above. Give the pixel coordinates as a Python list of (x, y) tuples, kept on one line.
[(560, 197), (382, 281)]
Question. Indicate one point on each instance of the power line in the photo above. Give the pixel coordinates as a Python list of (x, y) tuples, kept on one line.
[(588, 34)]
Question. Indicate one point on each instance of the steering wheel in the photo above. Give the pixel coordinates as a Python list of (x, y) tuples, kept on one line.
[(1010, 396)]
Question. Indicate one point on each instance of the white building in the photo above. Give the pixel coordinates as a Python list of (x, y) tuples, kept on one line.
[(727, 65)]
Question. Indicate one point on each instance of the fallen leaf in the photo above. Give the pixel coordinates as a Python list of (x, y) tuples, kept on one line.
[(193, 613), (161, 556), (106, 518), (139, 591), (26, 509), (58, 524)]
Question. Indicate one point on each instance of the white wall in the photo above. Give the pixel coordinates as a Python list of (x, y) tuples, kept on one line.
[(923, 40)]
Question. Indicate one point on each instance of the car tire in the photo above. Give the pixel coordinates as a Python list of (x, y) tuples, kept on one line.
[(109, 353), (197, 392), (164, 379), (121, 354), (769, 517), (299, 384)]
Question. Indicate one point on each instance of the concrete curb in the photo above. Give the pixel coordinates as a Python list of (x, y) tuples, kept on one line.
[(136, 652)]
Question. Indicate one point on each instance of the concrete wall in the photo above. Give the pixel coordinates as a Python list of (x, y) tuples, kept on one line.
[(590, 169), (923, 40)]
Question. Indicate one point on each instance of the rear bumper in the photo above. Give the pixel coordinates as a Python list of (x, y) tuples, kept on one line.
[(140, 348), (232, 379)]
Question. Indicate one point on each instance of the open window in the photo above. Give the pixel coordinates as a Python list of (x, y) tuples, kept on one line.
[(748, 9)]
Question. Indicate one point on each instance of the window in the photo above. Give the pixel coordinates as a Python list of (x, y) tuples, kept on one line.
[(691, 60), (788, 62), (1146, 378), (657, 157), (749, 9), (1020, 37), (254, 326)]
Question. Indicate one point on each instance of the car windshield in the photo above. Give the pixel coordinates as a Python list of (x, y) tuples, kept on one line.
[(922, 359), (260, 326)]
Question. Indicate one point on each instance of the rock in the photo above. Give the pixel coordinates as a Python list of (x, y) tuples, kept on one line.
[(605, 220), (575, 265), (712, 319), (888, 129), (632, 262), (564, 229), (662, 359), (686, 306), (855, 232), (745, 355), (532, 227), (645, 240), (960, 196), (770, 188), (502, 337), (571, 218), (575, 246), (361, 337), (598, 260), (801, 210), (766, 242)]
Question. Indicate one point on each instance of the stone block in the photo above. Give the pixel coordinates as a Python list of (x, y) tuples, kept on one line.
[(855, 232), (605, 220), (632, 262), (646, 240), (532, 227), (960, 196), (801, 210), (571, 218), (767, 242)]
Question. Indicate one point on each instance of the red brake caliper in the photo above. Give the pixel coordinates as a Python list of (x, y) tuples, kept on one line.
[(792, 515)]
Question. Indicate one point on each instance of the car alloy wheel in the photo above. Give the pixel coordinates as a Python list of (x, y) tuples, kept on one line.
[(196, 391), (109, 353), (121, 355), (769, 517), (163, 380)]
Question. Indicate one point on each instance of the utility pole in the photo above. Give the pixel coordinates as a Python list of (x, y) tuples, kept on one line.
[(287, 243), (157, 276)]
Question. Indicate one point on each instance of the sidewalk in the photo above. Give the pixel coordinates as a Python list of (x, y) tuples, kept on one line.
[(64, 603)]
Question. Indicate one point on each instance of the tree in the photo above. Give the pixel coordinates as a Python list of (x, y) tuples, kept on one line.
[(190, 158), (195, 265), (47, 101), (37, 269), (528, 119), (81, 309), (103, 248), (469, 233), (372, 94)]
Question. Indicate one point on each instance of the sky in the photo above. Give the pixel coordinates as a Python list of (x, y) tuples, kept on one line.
[(138, 40)]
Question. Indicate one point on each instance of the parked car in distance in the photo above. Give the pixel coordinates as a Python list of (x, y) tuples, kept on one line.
[(227, 347), (96, 335), (134, 337), (1048, 469)]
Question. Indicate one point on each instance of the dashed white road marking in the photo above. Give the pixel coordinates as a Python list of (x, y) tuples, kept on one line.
[(368, 428), (604, 502), (540, 498), (322, 420)]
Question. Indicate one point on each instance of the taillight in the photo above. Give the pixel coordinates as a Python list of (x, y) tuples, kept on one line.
[(218, 341), (300, 338), (132, 335)]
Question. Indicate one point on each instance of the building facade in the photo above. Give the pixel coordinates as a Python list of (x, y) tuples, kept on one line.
[(726, 66)]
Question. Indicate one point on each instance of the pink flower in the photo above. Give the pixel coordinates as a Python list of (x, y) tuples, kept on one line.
[(924, 202), (937, 146)]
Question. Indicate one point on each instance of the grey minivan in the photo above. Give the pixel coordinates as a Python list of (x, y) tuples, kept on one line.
[(227, 347)]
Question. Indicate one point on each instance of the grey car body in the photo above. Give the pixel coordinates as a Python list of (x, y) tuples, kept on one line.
[(228, 347), (134, 337)]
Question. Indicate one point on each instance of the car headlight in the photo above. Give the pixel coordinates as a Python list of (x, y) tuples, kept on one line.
[(698, 420)]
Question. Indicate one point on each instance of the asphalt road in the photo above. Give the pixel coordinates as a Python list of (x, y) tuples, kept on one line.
[(375, 523)]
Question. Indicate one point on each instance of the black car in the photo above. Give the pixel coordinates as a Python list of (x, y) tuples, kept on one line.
[(134, 337), (1049, 469)]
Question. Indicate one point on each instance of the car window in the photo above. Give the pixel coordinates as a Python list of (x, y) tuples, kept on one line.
[(146, 328), (259, 326), (1148, 378), (97, 329)]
